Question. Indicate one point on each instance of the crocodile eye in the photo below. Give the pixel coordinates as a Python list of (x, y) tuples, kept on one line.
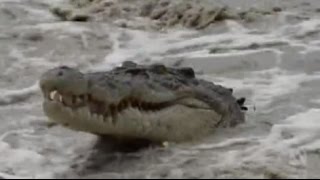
[(63, 68)]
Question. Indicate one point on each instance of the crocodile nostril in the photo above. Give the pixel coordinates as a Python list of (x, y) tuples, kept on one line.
[(60, 73)]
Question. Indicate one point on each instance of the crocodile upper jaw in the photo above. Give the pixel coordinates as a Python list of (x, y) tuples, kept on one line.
[(167, 123)]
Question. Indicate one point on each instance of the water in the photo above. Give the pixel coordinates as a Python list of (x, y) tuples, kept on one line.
[(274, 63)]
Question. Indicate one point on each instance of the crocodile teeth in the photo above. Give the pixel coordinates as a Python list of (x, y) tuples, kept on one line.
[(57, 97), (78, 100), (60, 98), (52, 95)]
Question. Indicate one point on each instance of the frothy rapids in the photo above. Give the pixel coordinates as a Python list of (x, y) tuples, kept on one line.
[(274, 62)]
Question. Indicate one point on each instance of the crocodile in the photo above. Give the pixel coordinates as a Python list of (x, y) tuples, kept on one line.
[(151, 102)]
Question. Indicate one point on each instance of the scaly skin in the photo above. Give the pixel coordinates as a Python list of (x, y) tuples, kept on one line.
[(154, 102)]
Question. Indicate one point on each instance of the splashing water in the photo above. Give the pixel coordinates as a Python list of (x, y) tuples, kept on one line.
[(276, 68)]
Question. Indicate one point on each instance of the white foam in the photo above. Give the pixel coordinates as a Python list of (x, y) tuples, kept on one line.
[(11, 96), (308, 27), (227, 143), (39, 1), (317, 101), (141, 45), (154, 46), (303, 129), (22, 162), (266, 85), (65, 26), (282, 148)]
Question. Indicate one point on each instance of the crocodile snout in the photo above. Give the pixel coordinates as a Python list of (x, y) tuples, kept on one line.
[(63, 81)]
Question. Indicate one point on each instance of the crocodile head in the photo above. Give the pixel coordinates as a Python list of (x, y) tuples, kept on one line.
[(152, 102)]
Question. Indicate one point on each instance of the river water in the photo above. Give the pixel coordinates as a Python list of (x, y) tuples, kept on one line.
[(274, 63)]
